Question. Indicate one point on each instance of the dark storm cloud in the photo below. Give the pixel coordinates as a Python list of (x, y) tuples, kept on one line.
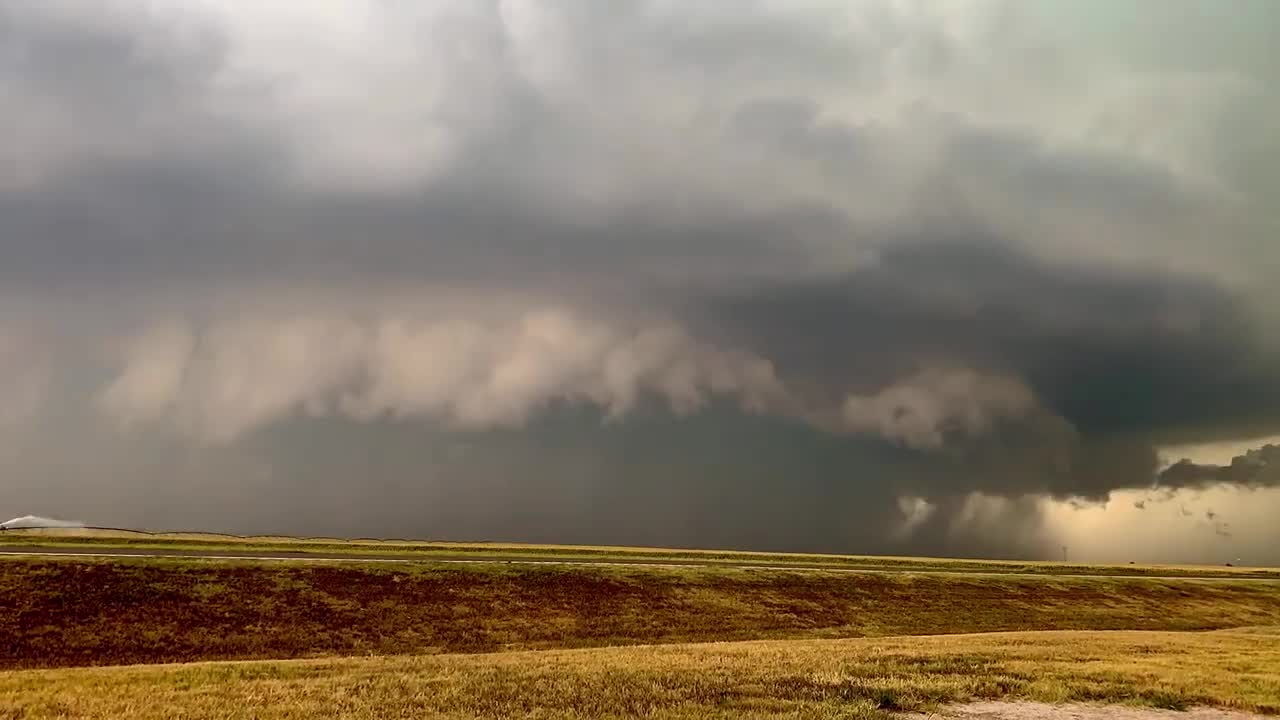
[(547, 157), (1256, 468), (120, 167), (567, 478), (1109, 351), (771, 275), (1120, 362)]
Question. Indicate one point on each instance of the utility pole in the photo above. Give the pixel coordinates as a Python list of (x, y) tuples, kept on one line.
[(1064, 553)]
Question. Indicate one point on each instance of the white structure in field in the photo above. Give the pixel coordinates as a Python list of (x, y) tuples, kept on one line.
[(31, 521)]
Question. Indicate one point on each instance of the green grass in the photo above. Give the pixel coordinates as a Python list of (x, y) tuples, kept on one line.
[(860, 678), (443, 550), (96, 612)]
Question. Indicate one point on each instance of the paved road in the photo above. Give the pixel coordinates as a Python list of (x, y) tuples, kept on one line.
[(427, 558)]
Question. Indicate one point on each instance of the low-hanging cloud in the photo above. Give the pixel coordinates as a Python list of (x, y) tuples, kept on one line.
[(922, 410), (231, 375), (234, 375)]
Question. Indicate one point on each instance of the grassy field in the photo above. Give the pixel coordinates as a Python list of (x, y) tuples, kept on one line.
[(324, 639), (863, 678), (105, 539), (88, 612)]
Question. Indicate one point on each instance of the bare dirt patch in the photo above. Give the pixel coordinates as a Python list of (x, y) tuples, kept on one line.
[(1044, 711)]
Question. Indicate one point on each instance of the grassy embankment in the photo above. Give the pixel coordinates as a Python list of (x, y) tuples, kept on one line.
[(862, 678), (78, 612), (407, 624)]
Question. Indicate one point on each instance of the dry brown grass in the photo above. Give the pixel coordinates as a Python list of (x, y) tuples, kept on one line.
[(860, 678), (73, 612)]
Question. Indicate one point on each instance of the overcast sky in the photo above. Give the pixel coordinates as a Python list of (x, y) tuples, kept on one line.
[(926, 276)]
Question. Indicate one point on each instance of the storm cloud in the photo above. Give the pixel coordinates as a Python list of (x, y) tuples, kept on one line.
[(1256, 468), (875, 276)]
